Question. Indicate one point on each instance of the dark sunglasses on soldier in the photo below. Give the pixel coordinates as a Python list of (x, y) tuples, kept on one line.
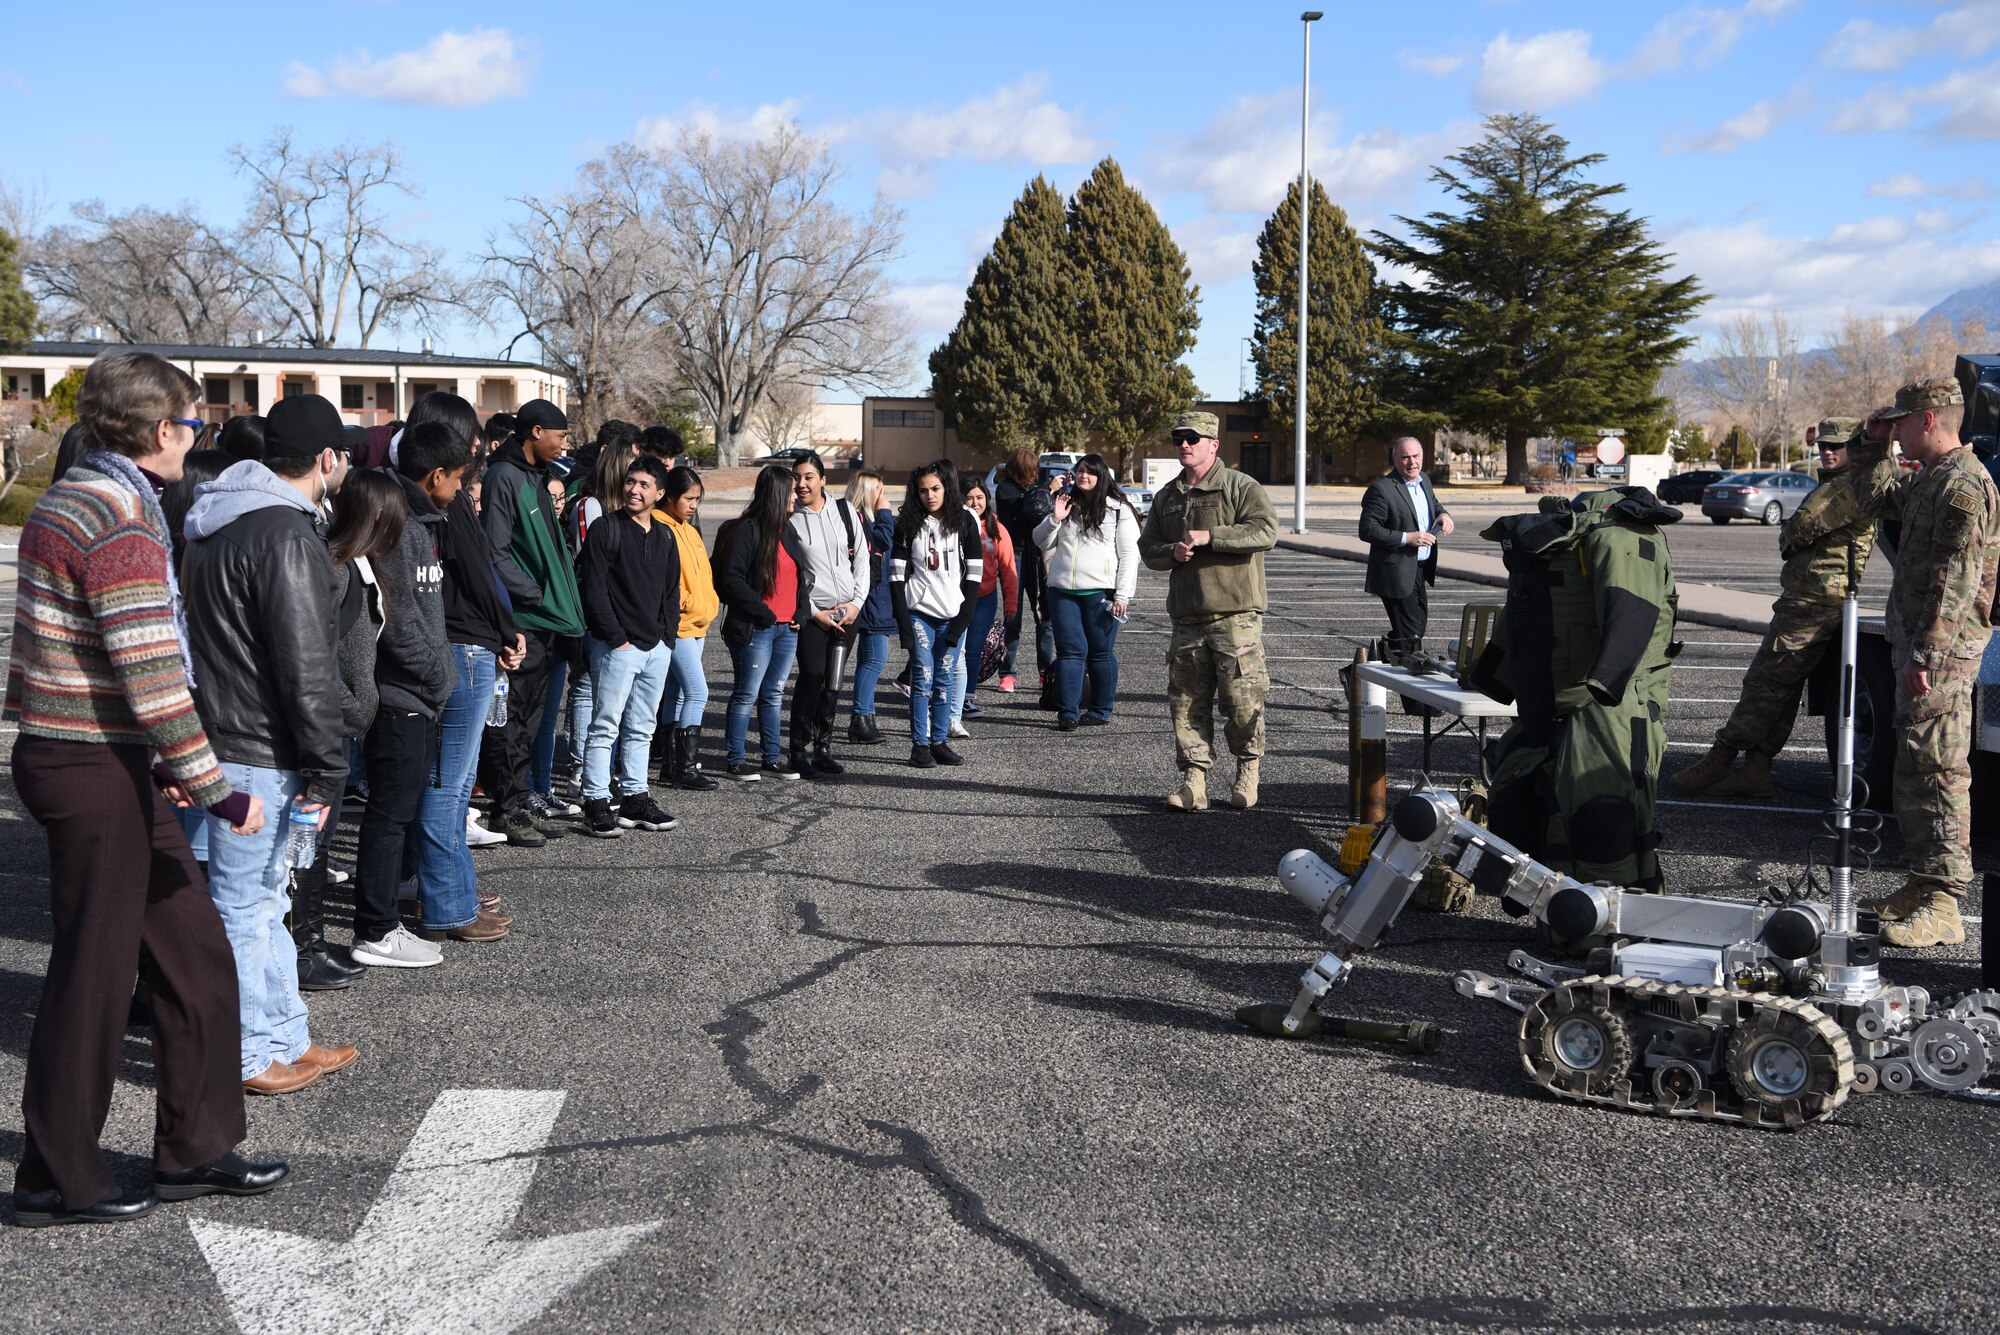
[(1186, 437)]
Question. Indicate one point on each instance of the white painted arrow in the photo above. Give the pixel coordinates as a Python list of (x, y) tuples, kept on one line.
[(429, 1257)]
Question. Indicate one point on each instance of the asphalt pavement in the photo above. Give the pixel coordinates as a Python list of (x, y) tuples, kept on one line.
[(953, 1050)]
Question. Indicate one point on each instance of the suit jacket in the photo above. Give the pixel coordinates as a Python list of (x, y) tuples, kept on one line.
[(1386, 516)]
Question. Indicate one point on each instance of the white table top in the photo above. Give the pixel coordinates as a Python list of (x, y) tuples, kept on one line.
[(1439, 692)]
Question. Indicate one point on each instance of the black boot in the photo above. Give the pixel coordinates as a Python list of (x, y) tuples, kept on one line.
[(802, 762), (824, 762), (319, 971), (687, 761), (668, 758), (857, 730)]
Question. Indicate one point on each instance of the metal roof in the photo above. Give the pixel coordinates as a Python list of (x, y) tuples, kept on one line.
[(271, 352)]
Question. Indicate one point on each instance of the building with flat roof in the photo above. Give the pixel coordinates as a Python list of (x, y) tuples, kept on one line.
[(370, 386), (898, 434)]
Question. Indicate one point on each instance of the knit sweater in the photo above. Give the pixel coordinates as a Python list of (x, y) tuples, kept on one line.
[(95, 657)]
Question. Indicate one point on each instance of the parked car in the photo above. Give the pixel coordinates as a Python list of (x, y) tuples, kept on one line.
[(1686, 488), (1140, 496), (785, 457), (1766, 497), (1058, 461)]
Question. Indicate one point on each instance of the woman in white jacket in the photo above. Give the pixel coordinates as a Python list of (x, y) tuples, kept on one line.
[(1091, 544)]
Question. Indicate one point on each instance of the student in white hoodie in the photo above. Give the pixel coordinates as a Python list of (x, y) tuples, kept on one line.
[(934, 572), (1091, 544)]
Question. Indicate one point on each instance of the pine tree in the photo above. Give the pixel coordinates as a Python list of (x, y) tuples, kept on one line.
[(17, 309), (1011, 370), (1137, 311), (1345, 341), (1541, 311)]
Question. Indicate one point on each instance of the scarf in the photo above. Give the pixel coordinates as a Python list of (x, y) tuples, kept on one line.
[(120, 469)]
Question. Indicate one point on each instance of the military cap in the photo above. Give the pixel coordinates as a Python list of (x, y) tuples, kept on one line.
[(1837, 433), (1937, 391), (1202, 424)]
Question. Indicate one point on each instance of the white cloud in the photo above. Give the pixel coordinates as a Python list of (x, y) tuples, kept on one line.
[(1219, 250), (933, 307), (1712, 32), (1965, 31), (711, 120), (1877, 112), (1435, 66), (453, 69), (1967, 103), (1879, 264), (1243, 159), (1538, 72), (1747, 127), (1908, 185), (1011, 124)]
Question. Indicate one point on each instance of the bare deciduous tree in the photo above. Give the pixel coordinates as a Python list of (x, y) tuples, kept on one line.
[(581, 275), (771, 276), (1752, 379), (319, 242), (785, 417), (145, 275)]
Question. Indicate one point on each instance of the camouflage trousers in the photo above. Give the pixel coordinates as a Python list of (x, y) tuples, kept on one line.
[(1223, 657), (1801, 633), (1933, 788)]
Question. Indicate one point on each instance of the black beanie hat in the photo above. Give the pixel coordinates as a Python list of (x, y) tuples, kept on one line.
[(300, 426)]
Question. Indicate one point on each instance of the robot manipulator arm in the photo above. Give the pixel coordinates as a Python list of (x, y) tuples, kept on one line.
[(1426, 826)]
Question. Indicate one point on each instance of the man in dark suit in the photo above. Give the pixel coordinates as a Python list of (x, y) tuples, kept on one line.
[(1401, 522)]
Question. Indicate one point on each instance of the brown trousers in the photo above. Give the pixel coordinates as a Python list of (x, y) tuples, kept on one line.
[(120, 873)]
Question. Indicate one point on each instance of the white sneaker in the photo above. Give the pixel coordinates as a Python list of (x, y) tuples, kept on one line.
[(957, 729), (478, 836), (401, 949)]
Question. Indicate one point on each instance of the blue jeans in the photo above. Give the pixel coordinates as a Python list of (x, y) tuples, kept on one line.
[(250, 882), (687, 685), (625, 687), (542, 764), (447, 882), (762, 666), (931, 666), (194, 824), (1086, 646), (965, 677), (871, 655)]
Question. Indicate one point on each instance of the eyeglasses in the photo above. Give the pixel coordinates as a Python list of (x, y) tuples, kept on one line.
[(191, 423), (1186, 437)]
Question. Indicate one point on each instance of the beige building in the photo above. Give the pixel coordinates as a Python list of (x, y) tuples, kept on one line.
[(370, 386), (899, 434)]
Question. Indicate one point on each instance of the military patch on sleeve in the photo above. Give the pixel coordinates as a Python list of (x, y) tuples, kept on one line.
[(1960, 513)]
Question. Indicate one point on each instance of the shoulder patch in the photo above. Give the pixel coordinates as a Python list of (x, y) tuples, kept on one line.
[(1646, 550)]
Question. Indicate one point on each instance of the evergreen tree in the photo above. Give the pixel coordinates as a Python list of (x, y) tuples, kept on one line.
[(1137, 311), (1345, 332), (1011, 370), (1541, 311), (18, 322)]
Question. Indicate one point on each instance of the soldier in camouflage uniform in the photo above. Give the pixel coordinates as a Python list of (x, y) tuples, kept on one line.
[(1855, 476), (1211, 527), (1939, 619)]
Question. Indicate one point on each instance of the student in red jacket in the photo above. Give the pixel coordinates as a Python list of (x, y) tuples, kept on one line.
[(999, 587)]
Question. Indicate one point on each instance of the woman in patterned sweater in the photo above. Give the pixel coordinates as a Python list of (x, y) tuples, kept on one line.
[(98, 680)]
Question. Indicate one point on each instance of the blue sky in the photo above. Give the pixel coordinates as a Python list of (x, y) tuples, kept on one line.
[(1802, 155)]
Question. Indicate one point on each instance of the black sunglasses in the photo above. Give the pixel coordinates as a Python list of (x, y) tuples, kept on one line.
[(1186, 437)]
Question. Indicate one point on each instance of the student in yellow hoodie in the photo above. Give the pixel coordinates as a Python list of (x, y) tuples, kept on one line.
[(679, 733)]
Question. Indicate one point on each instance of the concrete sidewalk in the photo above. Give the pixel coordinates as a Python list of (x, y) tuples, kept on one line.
[(1701, 604)]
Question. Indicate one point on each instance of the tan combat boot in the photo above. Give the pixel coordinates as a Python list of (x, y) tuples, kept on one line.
[(1935, 923), (1753, 780), (1706, 771), (1245, 795), (1898, 906), (1193, 794)]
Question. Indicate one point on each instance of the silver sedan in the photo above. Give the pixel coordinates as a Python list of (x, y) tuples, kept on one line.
[(1768, 497)]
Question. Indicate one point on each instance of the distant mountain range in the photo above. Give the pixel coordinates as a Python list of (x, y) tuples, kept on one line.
[(1982, 301)]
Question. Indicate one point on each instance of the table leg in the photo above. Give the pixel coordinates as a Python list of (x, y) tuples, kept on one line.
[(1427, 740), (1484, 777)]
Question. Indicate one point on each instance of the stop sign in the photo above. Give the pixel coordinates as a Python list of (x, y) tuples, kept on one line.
[(1610, 450)]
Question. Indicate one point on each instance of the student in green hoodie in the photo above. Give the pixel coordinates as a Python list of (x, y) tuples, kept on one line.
[(534, 566)]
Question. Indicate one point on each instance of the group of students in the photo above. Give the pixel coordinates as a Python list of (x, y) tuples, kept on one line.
[(305, 619)]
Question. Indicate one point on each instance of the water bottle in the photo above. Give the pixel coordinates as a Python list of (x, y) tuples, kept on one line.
[(496, 713), (301, 836)]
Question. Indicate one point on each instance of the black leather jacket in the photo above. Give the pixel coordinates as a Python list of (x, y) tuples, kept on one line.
[(262, 625)]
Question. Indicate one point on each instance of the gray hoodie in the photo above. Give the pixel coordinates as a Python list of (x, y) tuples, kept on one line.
[(839, 568), (242, 488)]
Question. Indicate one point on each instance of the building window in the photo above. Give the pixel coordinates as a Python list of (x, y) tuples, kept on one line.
[(217, 388), (1241, 422), (917, 417), (350, 397)]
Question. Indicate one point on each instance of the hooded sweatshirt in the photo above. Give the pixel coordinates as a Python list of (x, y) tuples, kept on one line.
[(474, 612), (528, 548), (836, 548), (414, 668)]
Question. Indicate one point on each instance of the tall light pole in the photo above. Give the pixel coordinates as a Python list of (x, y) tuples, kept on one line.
[(1307, 19)]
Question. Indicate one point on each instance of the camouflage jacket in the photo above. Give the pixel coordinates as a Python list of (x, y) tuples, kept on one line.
[(1843, 506), (1227, 575), (1941, 604)]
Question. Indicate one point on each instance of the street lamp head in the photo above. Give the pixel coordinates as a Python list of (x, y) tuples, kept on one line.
[(1312, 16)]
